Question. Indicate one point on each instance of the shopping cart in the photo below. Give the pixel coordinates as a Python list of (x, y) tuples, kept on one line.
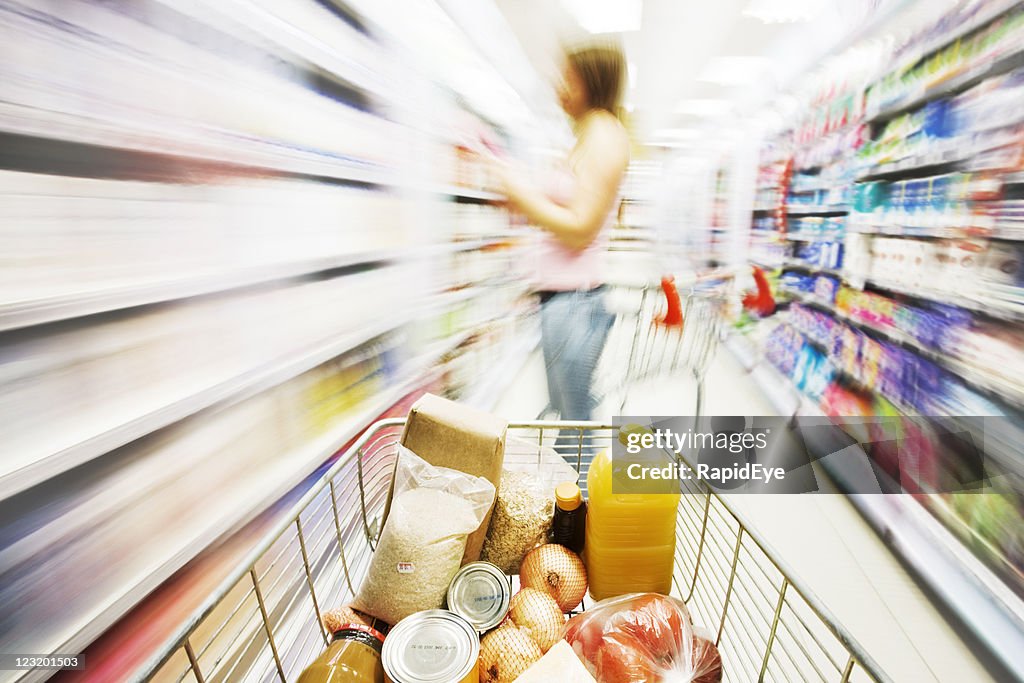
[(663, 329), (263, 623)]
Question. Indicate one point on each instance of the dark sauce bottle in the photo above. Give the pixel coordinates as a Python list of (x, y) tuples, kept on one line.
[(569, 525)]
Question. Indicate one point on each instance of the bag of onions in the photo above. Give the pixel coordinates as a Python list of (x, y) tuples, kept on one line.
[(643, 638), (556, 570)]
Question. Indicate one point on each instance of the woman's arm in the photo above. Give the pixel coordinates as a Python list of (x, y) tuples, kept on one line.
[(602, 157)]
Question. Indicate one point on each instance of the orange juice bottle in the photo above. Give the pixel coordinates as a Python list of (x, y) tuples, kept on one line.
[(630, 536)]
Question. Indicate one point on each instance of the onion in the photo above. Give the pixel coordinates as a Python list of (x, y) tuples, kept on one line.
[(537, 613), (556, 570), (505, 653)]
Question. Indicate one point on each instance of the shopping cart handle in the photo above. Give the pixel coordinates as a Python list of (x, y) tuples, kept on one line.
[(674, 314)]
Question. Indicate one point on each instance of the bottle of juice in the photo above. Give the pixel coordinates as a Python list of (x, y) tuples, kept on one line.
[(630, 537)]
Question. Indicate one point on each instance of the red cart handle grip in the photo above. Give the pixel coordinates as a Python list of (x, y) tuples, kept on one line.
[(674, 314)]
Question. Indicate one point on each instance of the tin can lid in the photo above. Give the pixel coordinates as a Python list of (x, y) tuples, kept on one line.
[(480, 593), (434, 646)]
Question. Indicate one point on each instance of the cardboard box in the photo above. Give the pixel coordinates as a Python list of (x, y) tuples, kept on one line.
[(449, 434)]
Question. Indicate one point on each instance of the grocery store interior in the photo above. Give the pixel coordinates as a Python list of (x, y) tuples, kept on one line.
[(234, 235)]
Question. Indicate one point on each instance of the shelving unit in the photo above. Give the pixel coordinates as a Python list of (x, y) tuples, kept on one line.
[(228, 251), (966, 565)]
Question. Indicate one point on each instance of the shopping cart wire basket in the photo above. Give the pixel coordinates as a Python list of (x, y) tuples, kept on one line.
[(264, 622), (661, 330)]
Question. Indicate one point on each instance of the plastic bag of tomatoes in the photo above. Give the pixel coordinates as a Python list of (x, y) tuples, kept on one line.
[(643, 638)]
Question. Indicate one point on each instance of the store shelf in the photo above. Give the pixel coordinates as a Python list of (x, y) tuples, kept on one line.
[(794, 210), (797, 237), (18, 314), (470, 195), (486, 392), (930, 163), (136, 425), (231, 511), (991, 11), (995, 308), (776, 387), (290, 41), (909, 232), (972, 377), (800, 265), (952, 86), (66, 144)]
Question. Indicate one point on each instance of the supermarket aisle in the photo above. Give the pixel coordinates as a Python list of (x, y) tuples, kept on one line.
[(823, 538)]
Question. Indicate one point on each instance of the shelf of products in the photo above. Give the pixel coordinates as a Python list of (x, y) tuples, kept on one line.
[(227, 250), (909, 304), (988, 52)]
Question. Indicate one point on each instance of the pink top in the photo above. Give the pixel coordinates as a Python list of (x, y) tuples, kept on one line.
[(559, 268)]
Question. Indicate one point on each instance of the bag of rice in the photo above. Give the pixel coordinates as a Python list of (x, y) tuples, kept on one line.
[(433, 510)]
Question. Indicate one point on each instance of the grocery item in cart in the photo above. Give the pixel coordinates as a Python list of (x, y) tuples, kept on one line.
[(480, 593), (422, 544), (569, 525), (434, 646), (560, 664), (354, 656), (452, 435), (643, 638), (537, 613), (521, 520), (526, 498), (630, 546), (506, 653), (558, 571)]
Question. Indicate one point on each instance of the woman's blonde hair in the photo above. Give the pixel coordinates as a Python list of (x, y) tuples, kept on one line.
[(602, 68)]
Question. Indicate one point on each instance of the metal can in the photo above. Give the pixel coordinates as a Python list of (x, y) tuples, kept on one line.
[(480, 593), (434, 646)]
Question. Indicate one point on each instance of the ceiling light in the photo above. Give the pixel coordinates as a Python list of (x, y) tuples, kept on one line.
[(735, 70), (704, 107), (606, 16), (784, 11)]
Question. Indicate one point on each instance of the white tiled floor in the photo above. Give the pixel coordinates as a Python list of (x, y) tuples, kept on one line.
[(822, 537)]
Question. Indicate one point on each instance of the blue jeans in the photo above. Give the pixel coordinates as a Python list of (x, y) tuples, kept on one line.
[(574, 327)]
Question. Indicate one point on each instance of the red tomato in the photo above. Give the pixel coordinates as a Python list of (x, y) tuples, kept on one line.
[(620, 659), (656, 623)]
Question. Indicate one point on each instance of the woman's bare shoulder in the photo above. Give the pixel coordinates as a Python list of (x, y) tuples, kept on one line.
[(606, 132)]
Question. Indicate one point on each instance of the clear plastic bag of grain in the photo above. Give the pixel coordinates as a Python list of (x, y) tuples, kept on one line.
[(433, 510), (525, 503)]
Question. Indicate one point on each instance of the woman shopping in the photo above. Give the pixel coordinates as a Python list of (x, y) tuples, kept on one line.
[(576, 212)]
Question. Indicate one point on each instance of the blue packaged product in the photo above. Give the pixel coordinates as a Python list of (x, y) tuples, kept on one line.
[(938, 120)]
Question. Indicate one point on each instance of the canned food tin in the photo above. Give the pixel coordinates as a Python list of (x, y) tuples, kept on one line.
[(435, 646), (480, 593)]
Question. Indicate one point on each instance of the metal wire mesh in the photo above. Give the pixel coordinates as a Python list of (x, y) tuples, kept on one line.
[(264, 624), (641, 346)]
